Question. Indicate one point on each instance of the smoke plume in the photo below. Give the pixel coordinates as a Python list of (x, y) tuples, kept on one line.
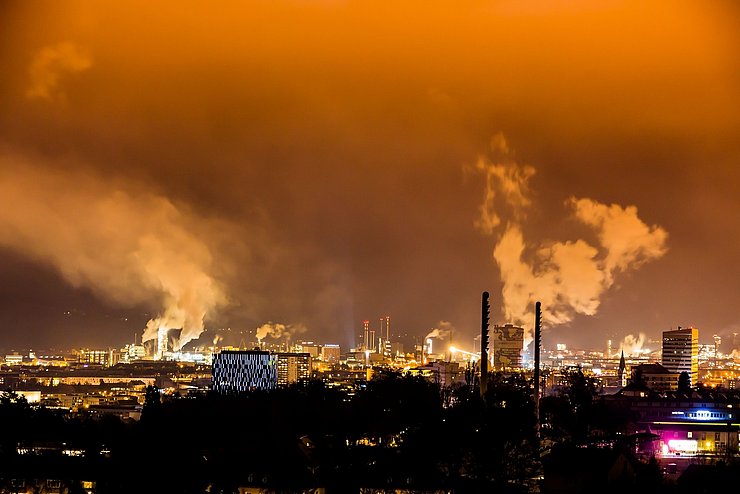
[(128, 246), (50, 64), (506, 186), (569, 277), (443, 331), (277, 330), (632, 345)]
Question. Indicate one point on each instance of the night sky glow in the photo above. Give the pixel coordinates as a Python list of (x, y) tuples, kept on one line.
[(317, 163)]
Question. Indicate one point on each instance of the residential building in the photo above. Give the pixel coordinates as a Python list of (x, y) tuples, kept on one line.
[(293, 367), (656, 377)]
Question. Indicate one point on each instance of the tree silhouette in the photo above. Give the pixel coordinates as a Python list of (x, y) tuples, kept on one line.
[(684, 383)]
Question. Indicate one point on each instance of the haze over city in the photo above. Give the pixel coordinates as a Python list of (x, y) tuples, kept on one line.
[(316, 164)]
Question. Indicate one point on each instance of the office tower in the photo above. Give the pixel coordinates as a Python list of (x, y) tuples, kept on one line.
[(508, 342), (237, 371), (293, 368), (330, 353), (681, 351)]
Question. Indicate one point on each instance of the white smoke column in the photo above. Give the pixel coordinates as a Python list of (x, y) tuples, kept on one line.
[(632, 345), (128, 246), (506, 186), (568, 277)]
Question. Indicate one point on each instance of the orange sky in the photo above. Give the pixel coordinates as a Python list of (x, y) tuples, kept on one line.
[(332, 144)]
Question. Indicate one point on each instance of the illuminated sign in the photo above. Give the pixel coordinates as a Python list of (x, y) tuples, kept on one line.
[(683, 445)]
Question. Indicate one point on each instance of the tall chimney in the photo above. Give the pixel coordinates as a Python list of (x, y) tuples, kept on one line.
[(366, 335), (485, 314), (536, 344)]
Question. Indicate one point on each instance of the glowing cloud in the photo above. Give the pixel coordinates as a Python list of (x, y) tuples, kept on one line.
[(628, 241)]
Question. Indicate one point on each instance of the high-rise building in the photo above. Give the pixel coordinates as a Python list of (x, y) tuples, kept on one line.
[(235, 371), (681, 351), (293, 368), (508, 343), (331, 353)]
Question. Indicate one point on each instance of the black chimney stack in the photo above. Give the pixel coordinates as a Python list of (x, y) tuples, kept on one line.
[(485, 313), (537, 343)]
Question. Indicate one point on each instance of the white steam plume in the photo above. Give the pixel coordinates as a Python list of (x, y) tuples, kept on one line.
[(50, 64), (506, 184), (632, 345), (128, 246), (568, 277), (443, 331)]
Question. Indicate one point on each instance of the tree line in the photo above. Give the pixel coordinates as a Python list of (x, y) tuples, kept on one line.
[(392, 432)]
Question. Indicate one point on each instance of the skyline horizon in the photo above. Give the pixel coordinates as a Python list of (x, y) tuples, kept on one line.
[(639, 340)]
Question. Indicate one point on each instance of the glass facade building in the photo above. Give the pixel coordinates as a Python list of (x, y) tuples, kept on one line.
[(237, 371)]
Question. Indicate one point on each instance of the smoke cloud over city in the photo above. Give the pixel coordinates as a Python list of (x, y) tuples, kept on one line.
[(125, 245)]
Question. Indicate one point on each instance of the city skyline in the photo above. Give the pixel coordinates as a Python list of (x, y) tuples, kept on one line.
[(316, 164)]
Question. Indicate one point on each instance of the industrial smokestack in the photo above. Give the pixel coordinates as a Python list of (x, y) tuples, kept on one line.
[(366, 335), (485, 314)]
